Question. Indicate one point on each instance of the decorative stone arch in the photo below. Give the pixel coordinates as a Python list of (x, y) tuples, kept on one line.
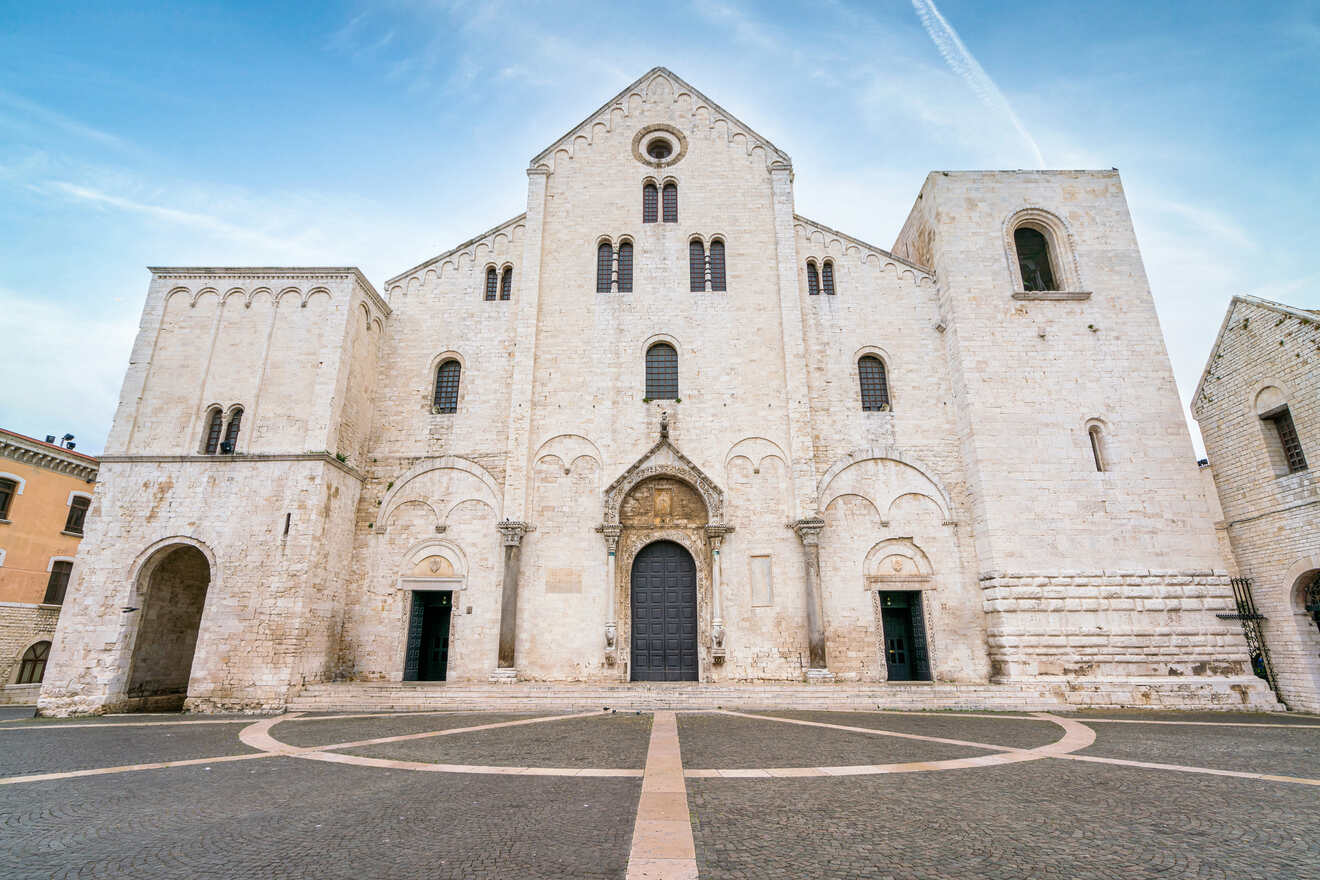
[(453, 462), (712, 495), (898, 564), (1059, 239), (945, 501)]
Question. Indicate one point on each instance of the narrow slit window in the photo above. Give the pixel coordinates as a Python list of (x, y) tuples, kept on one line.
[(446, 387), (649, 202), (1033, 252), (214, 425), (490, 284), (58, 583), (717, 265), (661, 372), (604, 266), (670, 195), (77, 515), (230, 444), (1288, 440), (625, 266), (1097, 447), (506, 283), (697, 265), (875, 385), (813, 279), (827, 277)]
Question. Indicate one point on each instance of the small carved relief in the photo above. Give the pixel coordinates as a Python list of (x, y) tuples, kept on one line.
[(663, 502)]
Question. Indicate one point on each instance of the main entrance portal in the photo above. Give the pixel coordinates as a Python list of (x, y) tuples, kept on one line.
[(664, 614), (428, 636)]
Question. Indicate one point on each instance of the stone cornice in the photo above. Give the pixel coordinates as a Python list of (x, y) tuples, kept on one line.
[(55, 458), (272, 273), (239, 458)]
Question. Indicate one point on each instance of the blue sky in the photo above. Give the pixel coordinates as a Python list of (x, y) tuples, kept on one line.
[(380, 134)]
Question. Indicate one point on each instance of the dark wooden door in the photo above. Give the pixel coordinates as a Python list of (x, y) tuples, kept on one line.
[(898, 642), (428, 637), (664, 614)]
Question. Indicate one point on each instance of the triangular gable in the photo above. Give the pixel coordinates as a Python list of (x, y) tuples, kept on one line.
[(664, 459), (1243, 299), (642, 87)]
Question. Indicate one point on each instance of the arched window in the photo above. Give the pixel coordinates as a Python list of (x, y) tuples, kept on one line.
[(696, 265), (78, 506), (490, 283), (670, 194), (625, 266), (604, 266), (827, 277), (58, 583), (813, 279), (214, 423), (875, 387), (1033, 252), (506, 283), (446, 386), (32, 668), (1097, 447), (717, 265), (230, 444), (649, 203), (661, 372)]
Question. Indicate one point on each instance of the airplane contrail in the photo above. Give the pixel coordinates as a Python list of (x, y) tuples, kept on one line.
[(962, 62)]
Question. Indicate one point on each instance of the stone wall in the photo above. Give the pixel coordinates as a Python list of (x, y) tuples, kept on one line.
[(1270, 515), (21, 626)]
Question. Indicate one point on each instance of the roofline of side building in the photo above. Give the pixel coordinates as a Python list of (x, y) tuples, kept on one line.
[(274, 272), (29, 450)]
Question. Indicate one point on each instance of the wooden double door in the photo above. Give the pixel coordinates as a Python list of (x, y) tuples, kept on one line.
[(664, 614)]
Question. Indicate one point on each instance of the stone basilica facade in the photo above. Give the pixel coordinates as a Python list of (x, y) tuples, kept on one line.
[(660, 427)]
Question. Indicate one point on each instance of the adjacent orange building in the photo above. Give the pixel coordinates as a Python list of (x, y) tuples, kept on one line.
[(45, 496)]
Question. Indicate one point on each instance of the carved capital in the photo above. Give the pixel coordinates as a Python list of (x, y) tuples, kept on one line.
[(611, 532), (808, 529), (715, 534), (512, 531)]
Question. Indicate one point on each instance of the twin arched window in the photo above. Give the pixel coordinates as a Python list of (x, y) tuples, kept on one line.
[(653, 200), (874, 383), (706, 270), (216, 428), (614, 267), (446, 387), (661, 372), (501, 282), (815, 278)]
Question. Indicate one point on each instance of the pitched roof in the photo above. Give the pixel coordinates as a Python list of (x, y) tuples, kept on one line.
[(1308, 315), (679, 85)]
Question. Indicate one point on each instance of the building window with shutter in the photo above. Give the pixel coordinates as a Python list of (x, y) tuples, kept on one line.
[(717, 265), (78, 506), (696, 265), (506, 283), (625, 267), (229, 445), (1282, 422), (670, 201), (215, 421), (491, 283), (650, 202), (58, 583), (827, 277), (8, 489), (604, 267)]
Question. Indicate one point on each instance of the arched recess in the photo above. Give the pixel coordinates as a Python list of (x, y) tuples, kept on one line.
[(396, 495), (170, 592), (1061, 247), (897, 564), (919, 483)]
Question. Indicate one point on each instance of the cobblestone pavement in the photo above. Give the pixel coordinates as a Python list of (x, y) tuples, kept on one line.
[(255, 807)]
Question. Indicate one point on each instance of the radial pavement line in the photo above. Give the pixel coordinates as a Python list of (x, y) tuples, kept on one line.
[(662, 843)]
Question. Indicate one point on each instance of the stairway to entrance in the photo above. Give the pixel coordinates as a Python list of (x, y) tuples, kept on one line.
[(1036, 696)]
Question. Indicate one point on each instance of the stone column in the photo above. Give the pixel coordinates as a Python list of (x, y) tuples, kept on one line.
[(808, 530), (512, 532), (611, 534), (715, 534)]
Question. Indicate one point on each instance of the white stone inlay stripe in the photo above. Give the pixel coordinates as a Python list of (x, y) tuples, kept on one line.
[(129, 768), (662, 844), (1183, 768)]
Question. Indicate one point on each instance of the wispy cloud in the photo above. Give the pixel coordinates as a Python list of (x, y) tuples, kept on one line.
[(205, 222), (51, 119), (963, 63)]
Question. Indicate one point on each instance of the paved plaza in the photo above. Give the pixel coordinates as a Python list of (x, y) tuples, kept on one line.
[(662, 795)]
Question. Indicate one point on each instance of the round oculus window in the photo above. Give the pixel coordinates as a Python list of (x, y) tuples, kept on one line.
[(659, 149)]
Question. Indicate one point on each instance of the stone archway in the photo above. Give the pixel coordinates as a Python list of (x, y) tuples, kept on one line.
[(171, 594)]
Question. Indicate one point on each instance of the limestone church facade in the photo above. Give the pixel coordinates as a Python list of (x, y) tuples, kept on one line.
[(661, 427)]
